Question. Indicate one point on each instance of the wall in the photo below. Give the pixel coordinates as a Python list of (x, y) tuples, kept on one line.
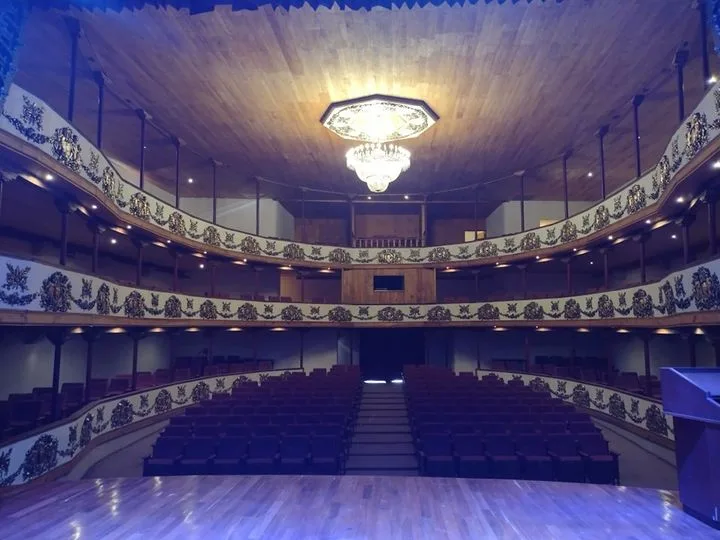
[(357, 286), (327, 289), (322, 231), (451, 231), (26, 358), (13, 14), (665, 350), (505, 219), (387, 225)]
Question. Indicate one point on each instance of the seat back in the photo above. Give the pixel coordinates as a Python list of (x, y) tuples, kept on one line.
[(231, 448), (499, 445), (531, 445), (297, 446), (263, 447), (168, 447), (562, 445), (593, 444), (200, 448)]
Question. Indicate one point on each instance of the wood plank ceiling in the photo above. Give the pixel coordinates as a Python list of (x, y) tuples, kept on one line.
[(514, 85)]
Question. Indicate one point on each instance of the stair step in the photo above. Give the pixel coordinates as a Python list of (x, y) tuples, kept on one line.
[(382, 428), (383, 472), (383, 421), (381, 462), (372, 406), (381, 448), (382, 438), (382, 413)]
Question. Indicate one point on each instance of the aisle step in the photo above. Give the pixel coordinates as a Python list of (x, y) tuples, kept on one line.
[(381, 462), (382, 448)]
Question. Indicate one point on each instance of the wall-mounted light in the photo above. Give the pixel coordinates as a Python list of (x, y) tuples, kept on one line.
[(192, 329), (234, 329), (648, 222), (157, 330), (406, 197), (201, 266), (673, 236), (610, 237), (77, 330), (116, 330)]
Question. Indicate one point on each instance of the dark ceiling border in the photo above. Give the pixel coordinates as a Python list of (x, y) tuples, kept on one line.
[(203, 6)]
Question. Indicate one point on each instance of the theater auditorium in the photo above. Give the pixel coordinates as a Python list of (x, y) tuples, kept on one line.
[(359, 269)]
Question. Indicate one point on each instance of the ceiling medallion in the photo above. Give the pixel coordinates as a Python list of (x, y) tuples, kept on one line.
[(376, 121)]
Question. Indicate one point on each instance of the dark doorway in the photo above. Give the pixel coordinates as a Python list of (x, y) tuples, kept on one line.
[(383, 353)]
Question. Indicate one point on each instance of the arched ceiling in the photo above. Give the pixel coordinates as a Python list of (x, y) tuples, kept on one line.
[(514, 85)]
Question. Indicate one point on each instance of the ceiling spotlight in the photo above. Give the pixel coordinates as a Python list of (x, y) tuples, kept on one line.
[(369, 198), (610, 237), (674, 236), (244, 260), (113, 241), (190, 180), (204, 252), (537, 256), (648, 222), (716, 164), (574, 249), (167, 241), (712, 79), (128, 227), (592, 262), (49, 177), (590, 174), (202, 266), (406, 197), (680, 200)]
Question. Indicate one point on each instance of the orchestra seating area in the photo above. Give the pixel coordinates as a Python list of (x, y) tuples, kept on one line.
[(295, 424), (24, 412), (469, 427)]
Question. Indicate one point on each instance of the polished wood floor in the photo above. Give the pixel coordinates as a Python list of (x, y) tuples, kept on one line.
[(347, 507)]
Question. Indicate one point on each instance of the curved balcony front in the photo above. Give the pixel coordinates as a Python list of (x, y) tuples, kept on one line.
[(46, 142)]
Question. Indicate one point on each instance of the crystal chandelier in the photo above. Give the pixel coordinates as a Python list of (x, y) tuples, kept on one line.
[(378, 164)]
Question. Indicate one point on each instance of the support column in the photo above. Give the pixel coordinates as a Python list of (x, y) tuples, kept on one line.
[(257, 207), (74, 28), (476, 219), (176, 142), (302, 286), (521, 176), (213, 269), (477, 285), (302, 349), (645, 336), (423, 223), (64, 208), (691, 339), (606, 267), (143, 121), (527, 350), (140, 246), (56, 336), (210, 335), (568, 275), (97, 231), (679, 62), (176, 270), (686, 222), (303, 230), (352, 223), (523, 280), (100, 81), (90, 335), (566, 157), (710, 197), (641, 239), (636, 102), (136, 334), (601, 133), (478, 335)]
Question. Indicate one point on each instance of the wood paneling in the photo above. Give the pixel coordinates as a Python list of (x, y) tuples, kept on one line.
[(452, 231), (322, 231), (513, 85), (387, 225), (325, 289), (357, 286)]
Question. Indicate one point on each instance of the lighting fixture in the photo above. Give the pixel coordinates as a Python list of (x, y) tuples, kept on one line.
[(156, 330), (202, 266), (77, 330), (537, 257), (369, 198), (591, 262), (680, 200), (128, 227), (234, 329), (244, 260), (168, 241), (674, 236), (648, 222), (406, 197), (623, 331), (190, 180), (574, 249), (583, 330), (373, 381), (378, 164), (193, 329), (116, 330), (610, 237), (716, 164), (712, 79), (278, 329), (397, 381), (113, 241), (49, 177), (590, 174), (93, 206)]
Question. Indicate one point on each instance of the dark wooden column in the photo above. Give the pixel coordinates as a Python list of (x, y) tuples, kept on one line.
[(702, 9), (176, 142), (566, 199), (641, 239), (645, 336), (90, 335), (352, 222), (423, 223), (686, 222), (64, 208), (523, 280), (56, 336), (257, 207), (143, 121), (527, 349), (710, 197), (74, 28), (691, 339), (213, 278), (679, 62), (136, 334), (100, 81), (140, 247), (601, 133), (521, 176), (302, 348), (636, 102), (605, 252), (176, 270), (97, 231), (568, 275)]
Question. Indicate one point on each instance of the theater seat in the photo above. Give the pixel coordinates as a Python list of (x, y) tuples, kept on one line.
[(567, 463), (436, 455), (504, 462), (262, 455), (199, 453), (167, 451), (470, 456), (294, 455), (230, 456), (535, 461), (326, 455), (601, 465)]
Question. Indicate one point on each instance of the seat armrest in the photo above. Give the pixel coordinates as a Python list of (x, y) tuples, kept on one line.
[(520, 455), (553, 455), (584, 455)]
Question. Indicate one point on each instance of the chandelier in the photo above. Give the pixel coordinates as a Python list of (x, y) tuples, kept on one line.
[(377, 121), (378, 164)]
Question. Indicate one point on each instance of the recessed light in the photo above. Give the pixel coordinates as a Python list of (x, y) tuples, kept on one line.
[(537, 256), (113, 241), (369, 198), (128, 227), (610, 237), (190, 180), (204, 252), (574, 249), (406, 197), (680, 200), (674, 236), (167, 241), (202, 266), (716, 164), (244, 260), (49, 177), (592, 262), (93, 206), (648, 222), (590, 174), (712, 79)]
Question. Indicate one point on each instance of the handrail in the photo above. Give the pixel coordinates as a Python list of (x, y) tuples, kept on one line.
[(35, 288), (33, 456), (29, 118), (638, 411)]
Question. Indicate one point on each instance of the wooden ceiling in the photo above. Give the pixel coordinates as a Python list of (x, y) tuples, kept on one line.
[(514, 86)]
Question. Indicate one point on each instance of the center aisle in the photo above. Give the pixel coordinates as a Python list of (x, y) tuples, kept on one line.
[(381, 443)]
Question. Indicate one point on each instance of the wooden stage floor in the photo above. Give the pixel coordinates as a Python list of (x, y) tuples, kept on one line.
[(344, 507)]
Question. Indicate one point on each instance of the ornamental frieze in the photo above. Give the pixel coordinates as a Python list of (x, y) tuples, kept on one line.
[(31, 120)]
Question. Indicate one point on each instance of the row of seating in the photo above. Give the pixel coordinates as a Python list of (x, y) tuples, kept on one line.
[(297, 424), (469, 427)]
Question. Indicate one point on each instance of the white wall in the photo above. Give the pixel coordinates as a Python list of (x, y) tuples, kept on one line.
[(505, 219), (24, 366), (665, 351)]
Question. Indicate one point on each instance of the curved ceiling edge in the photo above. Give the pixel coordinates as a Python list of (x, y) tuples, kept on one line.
[(30, 119), (36, 288)]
